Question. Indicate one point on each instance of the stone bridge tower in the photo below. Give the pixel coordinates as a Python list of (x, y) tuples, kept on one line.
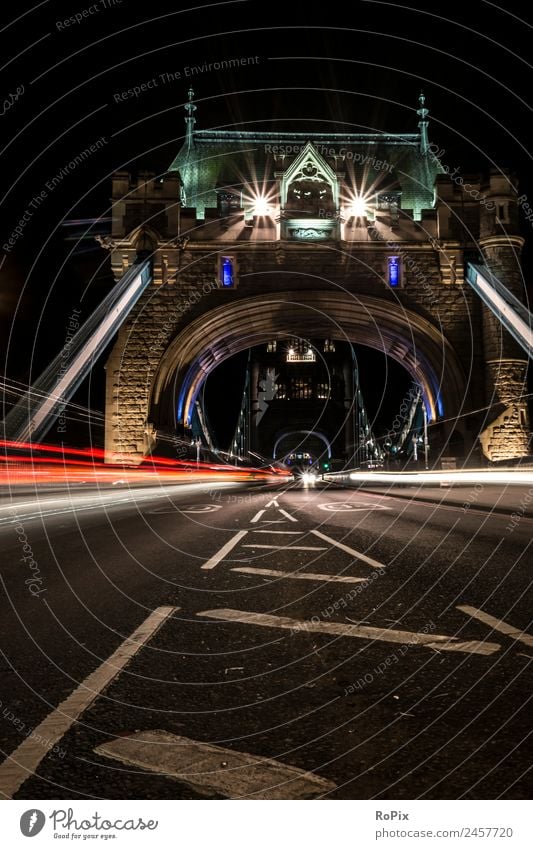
[(358, 237)]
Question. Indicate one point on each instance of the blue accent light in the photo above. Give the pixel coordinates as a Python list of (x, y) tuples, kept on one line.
[(227, 272), (394, 270)]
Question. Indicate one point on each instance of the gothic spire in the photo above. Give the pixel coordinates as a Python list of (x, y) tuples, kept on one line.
[(190, 121), (422, 112)]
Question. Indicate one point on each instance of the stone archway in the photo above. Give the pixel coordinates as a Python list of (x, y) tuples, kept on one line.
[(222, 332)]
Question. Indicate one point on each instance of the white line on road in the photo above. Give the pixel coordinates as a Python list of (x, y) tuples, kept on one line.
[(31, 504), (374, 563), (101, 499), (297, 533), (86, 502), (288, 515), (301, 576), (26, 758), (351, 507), (387, 635), (257, 516), (27, 517), (287, 547), (273, 503), (216, 558), (213, 770), (497, 624)]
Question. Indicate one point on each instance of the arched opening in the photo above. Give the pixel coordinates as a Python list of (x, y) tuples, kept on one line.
[(387, 327), (303, 440), (310, 197), (145, 239), (395, 331), (322, 397)]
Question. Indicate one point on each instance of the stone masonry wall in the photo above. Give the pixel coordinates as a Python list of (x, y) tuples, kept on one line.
[(507, 436)]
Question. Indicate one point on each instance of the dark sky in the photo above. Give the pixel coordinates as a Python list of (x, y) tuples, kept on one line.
[(356, 66)]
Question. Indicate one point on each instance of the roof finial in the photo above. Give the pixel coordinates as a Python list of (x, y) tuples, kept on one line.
[(422, 112), (190, 120)]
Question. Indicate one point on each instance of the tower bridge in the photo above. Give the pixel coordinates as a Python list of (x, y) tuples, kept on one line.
[(257, 237)]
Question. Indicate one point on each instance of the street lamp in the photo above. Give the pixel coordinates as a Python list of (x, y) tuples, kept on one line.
[(426, 442)]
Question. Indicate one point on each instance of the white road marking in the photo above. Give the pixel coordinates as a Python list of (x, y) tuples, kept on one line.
[(300, 576), (257, 516), (371, 562), (28, 517), (86, 502), (288, 515), (497, 624), (200, 508), (351, 506), (216, 558), (32, 504), (23, 762), (273, 503), (297, 533), (365, 632), (287, 547), (214, 770), (102, 499)]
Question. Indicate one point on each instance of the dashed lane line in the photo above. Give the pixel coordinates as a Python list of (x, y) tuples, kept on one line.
[(497, 624), (297, 533), (287, 547), (387, 635), (299, 576), (371, 562), (23, 762), (220, 555)]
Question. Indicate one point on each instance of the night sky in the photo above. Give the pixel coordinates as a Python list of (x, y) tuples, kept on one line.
[(345, 67)]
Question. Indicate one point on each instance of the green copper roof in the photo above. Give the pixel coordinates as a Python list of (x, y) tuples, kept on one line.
[(214, 159)]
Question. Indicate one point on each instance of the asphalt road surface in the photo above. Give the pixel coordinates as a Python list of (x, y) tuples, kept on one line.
[(379, 643)]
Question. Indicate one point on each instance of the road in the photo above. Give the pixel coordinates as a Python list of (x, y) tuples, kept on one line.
[(378, 643)]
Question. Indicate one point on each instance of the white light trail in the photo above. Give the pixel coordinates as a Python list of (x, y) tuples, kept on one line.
[(503, 476)]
